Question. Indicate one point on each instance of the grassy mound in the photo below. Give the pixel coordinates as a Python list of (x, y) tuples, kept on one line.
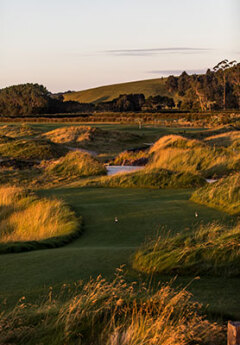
[(26, 218), (18, 131), (31, 149), (114, 313), (156, 178), (92, 138), (76, 164), (223, 194), (212, 250), (177, 153)]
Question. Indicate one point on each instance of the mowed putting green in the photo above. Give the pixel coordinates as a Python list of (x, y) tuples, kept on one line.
[(105, 245)]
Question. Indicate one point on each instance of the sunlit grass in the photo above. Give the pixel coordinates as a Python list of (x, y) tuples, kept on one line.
[(76, 164), (148, 178), (212, 249), (24, 217), (180, 154), (100, 312), (93, 138), (223, 194)]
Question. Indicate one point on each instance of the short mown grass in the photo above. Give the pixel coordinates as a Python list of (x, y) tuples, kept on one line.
[(212, 249), (26, 218), (223, 194)]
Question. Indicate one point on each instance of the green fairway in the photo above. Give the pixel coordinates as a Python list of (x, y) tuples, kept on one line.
[(106, 245)]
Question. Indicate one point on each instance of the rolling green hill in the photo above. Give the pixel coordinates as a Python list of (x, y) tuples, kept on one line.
[(151, 87)]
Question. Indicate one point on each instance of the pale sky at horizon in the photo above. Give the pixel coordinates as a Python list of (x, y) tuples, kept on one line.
[(75, 45)]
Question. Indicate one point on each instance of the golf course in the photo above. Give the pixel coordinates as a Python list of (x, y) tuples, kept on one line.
[(111, 221)]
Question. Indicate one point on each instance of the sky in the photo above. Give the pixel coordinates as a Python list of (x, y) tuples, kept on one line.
[(80, 44)]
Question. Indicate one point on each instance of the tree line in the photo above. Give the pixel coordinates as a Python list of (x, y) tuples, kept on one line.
[(217, 89)]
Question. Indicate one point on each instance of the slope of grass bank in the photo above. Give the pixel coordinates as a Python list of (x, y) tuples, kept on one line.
[(92, 138), (212, 249), (146, 178), (223, 194), (26, 219), (32, 149), (177, 153)]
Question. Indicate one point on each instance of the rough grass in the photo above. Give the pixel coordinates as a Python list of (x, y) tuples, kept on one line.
[(4, 139), (131, 158), (177, 153), (18, 131), (223, 194), (146, 178), (92, 138), (212, 249), (76, 164), (152, 87), (228, 139), (111, 313), (31, 149), (24, 217)]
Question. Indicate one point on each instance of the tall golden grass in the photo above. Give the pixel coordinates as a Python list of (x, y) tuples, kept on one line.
[(176, 153), (24, 217), (212, 249), (111, 313), (223, 194), (76, 164), (231, 138)]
